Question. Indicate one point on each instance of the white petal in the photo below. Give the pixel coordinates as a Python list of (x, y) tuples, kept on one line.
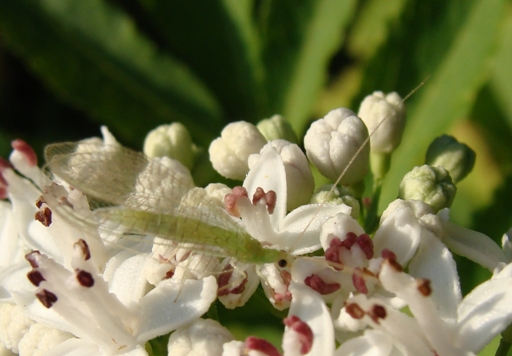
[(173, 304), (399, 232), (433, 261), (372, 343), (268, 173), (473, 245), (301, 227), (484, 313), (128, 281), (309, 306)]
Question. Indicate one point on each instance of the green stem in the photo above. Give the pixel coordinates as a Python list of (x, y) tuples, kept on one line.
[(503, 348), (371, 220)]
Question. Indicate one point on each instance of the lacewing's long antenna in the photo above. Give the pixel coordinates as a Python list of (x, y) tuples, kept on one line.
[(349, 164)]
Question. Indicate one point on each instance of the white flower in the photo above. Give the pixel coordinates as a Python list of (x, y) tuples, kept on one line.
[(229, 153), (413, 233), (473, 323), (263, 207), (299, 179), (332, 142), (384, 116)]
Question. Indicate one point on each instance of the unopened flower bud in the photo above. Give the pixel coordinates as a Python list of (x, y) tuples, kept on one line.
[(229, 153), (172, 141), (332, 142), (277, 128), (202, 337), (457, 158), (299, 179), (336, 195), (432, 185), (384, 115)]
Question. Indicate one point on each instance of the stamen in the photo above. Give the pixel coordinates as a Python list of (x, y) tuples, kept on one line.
[(396, 266), (32, 258), (24, 148), (316, 283), (40, 201), (44, 216), (303, 330), (359, 282), (270, 199), (46, 298), (286, 277), (82, 244), (85, 279), (355, 311), (35, 277), (387, 254), (3, 182), (424, 287), (350, 240), (366, 244), (223, 282), (332, 253), (377, 312), (65, 201), (231, 199), (261, 345)]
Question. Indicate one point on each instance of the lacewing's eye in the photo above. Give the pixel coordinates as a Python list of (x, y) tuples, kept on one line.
[(282, 263)]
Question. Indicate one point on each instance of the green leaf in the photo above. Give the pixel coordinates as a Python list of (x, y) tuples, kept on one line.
[(449, 95), (93, 56), (300, 38), (371, 27), (502, 70), (218, 40)]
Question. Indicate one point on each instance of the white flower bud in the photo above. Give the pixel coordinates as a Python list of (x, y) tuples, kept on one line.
[(277, 128), (229, 153), (172, 141), (202, 337), (299, 179), (332, 142), (336, 195), (431, 185), (40, 339), (387, 111)]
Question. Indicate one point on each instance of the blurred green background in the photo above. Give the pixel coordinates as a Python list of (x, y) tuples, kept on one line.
[(68, 66)]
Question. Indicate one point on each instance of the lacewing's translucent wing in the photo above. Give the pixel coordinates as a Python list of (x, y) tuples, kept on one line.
[(129, 193)]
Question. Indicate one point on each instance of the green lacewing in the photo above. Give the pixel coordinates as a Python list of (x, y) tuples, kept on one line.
[(110, 176)]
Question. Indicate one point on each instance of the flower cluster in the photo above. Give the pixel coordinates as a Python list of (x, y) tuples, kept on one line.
[(117, 248)]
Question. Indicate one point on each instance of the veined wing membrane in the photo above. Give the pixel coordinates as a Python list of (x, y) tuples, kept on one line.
[(115, 175)]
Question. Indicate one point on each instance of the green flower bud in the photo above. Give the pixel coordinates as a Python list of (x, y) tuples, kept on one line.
[(432, 185), (277, 128), (172, 141), (338, 195), (457, 158)]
